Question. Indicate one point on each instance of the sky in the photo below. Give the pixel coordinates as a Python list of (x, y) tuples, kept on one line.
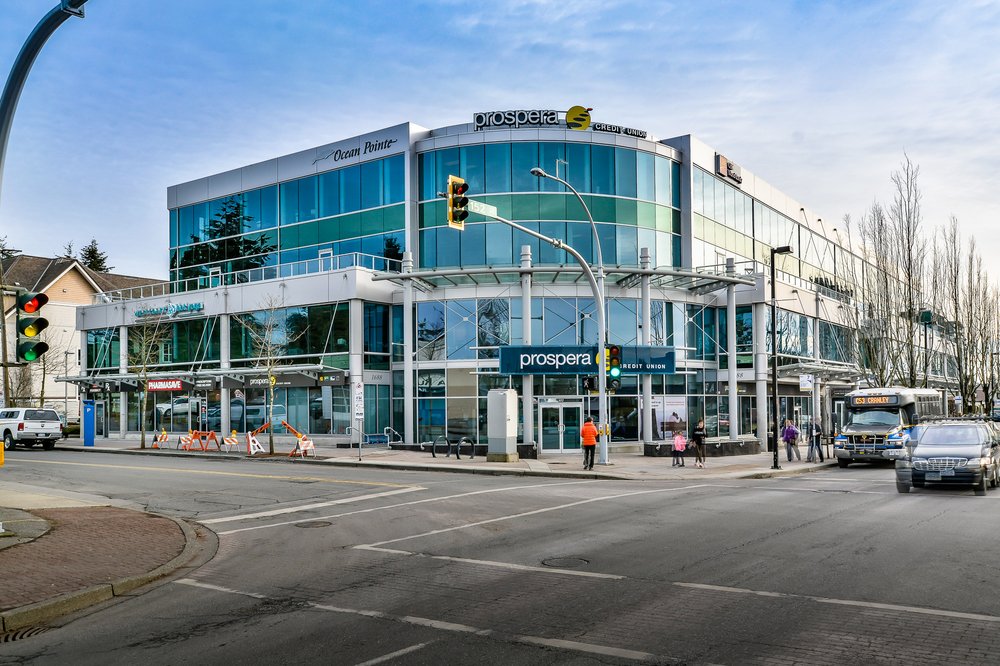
[(821, 99)]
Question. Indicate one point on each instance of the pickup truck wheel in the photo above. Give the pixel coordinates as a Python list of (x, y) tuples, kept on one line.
[(49, 445), (843, 462), (8, 441)]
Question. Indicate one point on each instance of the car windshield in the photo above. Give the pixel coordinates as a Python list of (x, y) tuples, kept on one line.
[(952, 435), (40, 415), (874, 418)]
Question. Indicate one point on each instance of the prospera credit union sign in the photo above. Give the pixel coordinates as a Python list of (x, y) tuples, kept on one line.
[(576, 118), (553, 360)]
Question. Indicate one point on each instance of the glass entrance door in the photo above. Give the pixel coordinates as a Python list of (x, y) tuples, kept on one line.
[(560, 426), (100, 427)]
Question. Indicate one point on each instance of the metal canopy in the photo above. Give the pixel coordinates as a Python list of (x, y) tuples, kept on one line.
[(696, 281), (825, 372)]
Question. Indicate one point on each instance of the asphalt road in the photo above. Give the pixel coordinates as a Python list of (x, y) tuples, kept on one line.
[(353, 566)]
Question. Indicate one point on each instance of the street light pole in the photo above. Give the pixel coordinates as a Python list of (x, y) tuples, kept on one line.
[(66, 386), (600, 297), (784, 249)]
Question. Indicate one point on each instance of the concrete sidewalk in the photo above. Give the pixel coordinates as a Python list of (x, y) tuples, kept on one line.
[(62, 551), (626, 462)]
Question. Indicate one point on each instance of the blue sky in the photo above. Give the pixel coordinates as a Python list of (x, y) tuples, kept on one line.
[(821, 99)]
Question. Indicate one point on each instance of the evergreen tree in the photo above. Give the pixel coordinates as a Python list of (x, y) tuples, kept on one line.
[(68, 251), (5, 251), (92, 257)]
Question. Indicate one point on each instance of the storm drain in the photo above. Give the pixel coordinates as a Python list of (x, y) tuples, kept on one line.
[(18, 634), (314, 523), (565, 562)]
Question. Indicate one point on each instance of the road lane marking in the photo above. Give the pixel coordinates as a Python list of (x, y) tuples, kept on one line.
[(393, 655), (500, 565), (441, 625), (535, 512), (847, 602), (245, 475), (403, 504), (309, 507)]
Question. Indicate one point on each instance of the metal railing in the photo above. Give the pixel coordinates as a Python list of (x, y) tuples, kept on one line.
[(308, 267), (457, 446)]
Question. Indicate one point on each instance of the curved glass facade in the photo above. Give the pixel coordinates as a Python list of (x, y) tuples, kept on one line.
[(634, 197)]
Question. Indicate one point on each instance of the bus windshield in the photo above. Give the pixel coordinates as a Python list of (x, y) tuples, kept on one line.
[(874, 418)]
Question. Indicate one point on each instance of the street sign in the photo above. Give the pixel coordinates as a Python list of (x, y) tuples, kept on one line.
[(482, 209), (359, 401)]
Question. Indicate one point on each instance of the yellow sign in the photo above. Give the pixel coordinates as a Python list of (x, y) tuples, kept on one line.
[(578, 118)]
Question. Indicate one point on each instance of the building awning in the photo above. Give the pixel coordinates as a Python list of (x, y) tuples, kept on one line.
[(827, 372)]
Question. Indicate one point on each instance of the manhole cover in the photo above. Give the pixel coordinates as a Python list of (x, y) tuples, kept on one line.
[(565, 562), (314, 523)]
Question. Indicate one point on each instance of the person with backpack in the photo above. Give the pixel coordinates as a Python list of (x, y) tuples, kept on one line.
[(815, 451), (790, 436)]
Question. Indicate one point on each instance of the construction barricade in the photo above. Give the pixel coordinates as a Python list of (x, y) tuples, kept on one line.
[(161, 438), (231, 442)]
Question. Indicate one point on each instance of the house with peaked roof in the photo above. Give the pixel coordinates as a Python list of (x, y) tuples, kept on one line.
[(68, 284)]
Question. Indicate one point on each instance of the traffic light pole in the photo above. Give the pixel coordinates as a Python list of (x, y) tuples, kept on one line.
[(602, 378)]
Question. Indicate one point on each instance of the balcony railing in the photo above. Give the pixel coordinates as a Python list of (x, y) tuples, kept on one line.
[(308, 267)]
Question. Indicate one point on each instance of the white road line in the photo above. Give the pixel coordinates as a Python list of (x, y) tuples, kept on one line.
[(441, 625), (393, 655), (396, 506), (500, 565), (535, 512), (848, 602), (309, 507)]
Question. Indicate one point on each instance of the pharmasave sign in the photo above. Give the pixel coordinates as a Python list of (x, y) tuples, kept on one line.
[(576, 118), (170, 310)]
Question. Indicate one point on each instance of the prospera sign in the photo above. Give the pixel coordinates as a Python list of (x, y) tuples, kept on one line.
[(576, 118), (550, 360)]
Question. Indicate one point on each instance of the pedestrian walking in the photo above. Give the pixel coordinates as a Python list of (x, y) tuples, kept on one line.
[(588, 434), (790, 436), (698, 439), (678, 449), (815, 453)]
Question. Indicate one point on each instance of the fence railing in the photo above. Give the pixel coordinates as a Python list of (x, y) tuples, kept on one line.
[(211, 281)]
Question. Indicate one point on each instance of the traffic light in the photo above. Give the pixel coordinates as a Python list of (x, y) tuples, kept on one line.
[(614, 366), (29, 325), (457, 201)]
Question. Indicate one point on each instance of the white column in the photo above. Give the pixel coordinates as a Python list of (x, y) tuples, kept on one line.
[(527, 383), (734, 406), (760, 367), (356, 356), (122, 369), (646, 415), (409, 403), (225, 363)]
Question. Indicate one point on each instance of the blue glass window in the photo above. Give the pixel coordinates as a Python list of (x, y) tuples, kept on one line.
[(449, 243), (549, 254), (430, 331), (497, 167), (427, 177), (675, 184), (394, 175), (560, 321), (371, 184), (173, 228), (500, 250), (552, 158), (350, 189), (663, 180), (524, 158), (290, 202), (602, 172), (609, 251), (446, 163), (580, 236), (625, 172), (623, 320), (329, 194), (577, 172), (308, 209), (627, 245), (473, 168), (645, 176), (473, 245), (428, 248), (460, 320), (268, 207)]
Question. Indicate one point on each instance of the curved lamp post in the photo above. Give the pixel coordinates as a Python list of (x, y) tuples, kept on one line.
[(602, 379)]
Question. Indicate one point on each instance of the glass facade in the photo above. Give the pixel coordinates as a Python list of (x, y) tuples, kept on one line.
[(355, 209), (634, 198)]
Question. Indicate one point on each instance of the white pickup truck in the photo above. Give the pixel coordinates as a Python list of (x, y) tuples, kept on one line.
[(28, 425)]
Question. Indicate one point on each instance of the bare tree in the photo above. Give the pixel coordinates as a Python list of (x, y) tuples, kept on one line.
[(270, 335), (908, 250), (145, 351)]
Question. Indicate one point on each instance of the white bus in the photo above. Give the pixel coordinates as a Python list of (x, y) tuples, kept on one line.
[(875, 414)]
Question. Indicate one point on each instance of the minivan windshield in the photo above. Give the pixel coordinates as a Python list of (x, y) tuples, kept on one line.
[(874, 418), (952, 435)]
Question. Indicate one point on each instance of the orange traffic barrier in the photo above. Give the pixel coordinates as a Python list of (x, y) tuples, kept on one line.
[(185, 442), (160, 438), (231, 442)]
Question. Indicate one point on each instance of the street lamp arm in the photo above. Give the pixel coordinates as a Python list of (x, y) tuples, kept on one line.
[(540, 173)]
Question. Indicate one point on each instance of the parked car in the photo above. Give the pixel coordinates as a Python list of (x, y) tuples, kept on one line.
[(952, 451), (29, 426)]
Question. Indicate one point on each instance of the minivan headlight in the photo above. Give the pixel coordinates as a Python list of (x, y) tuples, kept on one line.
[(973, 462)]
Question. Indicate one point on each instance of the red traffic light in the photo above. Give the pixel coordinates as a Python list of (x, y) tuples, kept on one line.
[(460, 188), (31, 303)]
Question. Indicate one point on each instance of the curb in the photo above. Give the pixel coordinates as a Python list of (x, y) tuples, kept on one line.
[(51, 609), (789, 472)]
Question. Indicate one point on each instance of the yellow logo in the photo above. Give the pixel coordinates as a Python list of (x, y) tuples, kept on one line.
[(578, 118)]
